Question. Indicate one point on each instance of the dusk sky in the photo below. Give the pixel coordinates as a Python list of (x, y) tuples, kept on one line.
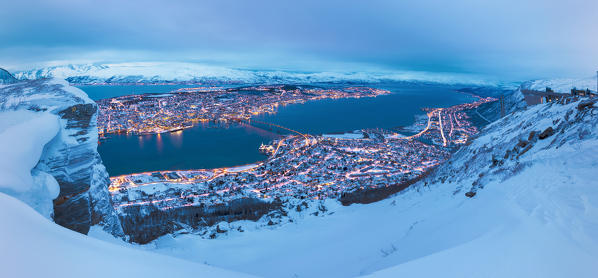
[(509, 39)]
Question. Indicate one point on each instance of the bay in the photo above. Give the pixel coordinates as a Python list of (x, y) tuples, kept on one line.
[(225, 145)]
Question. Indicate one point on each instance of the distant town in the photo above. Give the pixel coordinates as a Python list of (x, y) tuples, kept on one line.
[(301, 166), (158, 113)]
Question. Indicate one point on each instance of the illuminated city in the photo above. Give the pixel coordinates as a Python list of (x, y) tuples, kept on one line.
[(158, 113), (304, 166)]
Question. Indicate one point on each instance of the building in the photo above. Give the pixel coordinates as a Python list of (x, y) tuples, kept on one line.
[(536, 97), (583, 93)]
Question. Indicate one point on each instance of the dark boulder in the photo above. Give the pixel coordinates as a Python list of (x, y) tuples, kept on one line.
[(546, 133)]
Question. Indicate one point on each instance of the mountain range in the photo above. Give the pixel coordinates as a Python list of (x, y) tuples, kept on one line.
[(170, 72)]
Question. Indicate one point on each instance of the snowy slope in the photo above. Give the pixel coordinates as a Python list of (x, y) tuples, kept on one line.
[(32, 246), (155, 72), (535, 214)]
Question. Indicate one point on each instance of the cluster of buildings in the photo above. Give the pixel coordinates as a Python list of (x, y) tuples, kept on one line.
[(452, 126), (158, 113), (533, 97), (312, 167), (308, 167)]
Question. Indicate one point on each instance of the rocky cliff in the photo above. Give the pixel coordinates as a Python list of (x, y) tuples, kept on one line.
[(143, 224), (71, 156)]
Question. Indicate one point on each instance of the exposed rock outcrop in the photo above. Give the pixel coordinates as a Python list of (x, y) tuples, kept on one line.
[(71, 157), (143, 224)]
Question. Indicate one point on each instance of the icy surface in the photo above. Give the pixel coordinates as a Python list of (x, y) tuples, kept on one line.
[(35, 247)]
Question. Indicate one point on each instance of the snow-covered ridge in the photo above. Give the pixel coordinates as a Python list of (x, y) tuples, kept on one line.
[(6, 77), (48, 152), (159, 72)]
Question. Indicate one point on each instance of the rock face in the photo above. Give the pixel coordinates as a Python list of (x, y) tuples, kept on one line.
[(71, 157), (143, 224)]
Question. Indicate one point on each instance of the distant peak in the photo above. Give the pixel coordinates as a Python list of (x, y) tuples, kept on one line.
[(6, 77)]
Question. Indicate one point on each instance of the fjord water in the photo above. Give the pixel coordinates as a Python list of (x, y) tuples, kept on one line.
[(218, 145)]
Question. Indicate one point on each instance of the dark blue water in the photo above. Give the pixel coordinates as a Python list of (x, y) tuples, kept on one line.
[(387, 111), (211, 146)]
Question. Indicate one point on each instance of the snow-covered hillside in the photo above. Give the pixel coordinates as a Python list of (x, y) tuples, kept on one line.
[(33, 246), (562, 85), (155, 72), (534, 214)]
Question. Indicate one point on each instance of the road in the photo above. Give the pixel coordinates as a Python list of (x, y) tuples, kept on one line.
[(441, 129)]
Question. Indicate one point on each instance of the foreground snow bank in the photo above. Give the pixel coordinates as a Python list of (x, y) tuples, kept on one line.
[(23, 135), (35, 247)]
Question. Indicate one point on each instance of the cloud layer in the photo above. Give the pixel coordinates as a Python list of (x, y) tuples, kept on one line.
[(508, 38)]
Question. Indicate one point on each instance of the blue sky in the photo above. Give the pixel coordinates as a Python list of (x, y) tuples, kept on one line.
[(504, 38)]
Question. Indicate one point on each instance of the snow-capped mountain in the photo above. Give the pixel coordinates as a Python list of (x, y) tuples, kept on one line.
[(6, 77), (153, 72)]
